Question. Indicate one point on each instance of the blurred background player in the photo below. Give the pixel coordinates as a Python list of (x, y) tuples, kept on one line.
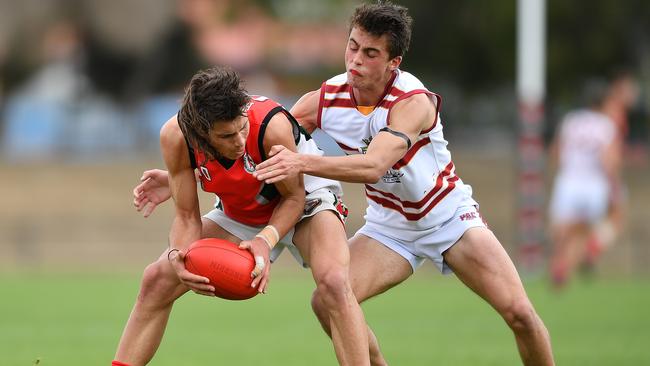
[(223, 133), (588, 152), (389, 125), (621, 96)]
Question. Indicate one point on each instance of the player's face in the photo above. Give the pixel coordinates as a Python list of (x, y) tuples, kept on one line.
[(367, 60), (229, 138)]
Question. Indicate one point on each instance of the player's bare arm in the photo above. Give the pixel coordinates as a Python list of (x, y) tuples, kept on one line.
[(407, 119), (306, 110), (292, 202), (186, 226)]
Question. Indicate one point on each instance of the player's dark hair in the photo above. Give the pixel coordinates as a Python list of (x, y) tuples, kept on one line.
[(213, 95), (386, 18)]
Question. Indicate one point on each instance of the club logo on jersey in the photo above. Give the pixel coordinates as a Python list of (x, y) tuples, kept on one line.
[(205, 173), (367, 141), (393, 176), (249, 164)]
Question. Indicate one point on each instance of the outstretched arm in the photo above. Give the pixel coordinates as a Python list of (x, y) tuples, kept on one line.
[(408, 118)]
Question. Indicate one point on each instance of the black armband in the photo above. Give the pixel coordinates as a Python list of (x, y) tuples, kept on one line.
[(398, 134)]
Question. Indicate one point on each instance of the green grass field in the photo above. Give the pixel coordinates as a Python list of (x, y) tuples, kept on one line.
[(430, 320)]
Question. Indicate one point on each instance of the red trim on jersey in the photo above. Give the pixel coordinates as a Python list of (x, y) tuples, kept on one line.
[(445, 175), (413, 216), (411, 153), (389, 105), (335, 88), (346, 147), (320, 104), (438, 105), (349, 103), (338, 102), (396, 92), (387, 90)]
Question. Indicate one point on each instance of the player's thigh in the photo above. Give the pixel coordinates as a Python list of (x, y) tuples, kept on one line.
[(479, 260), (375, 268), (211, 229), (322, 242)]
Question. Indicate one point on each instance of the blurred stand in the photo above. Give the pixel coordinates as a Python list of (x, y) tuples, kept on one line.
[(58, 110), (100, 87), (202, 33)]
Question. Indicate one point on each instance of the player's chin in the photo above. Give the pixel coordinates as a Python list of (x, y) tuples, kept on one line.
[(352, 80), (355, 82), (235, 155)]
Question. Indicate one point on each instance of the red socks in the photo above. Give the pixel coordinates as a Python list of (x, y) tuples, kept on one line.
[(118, 363)]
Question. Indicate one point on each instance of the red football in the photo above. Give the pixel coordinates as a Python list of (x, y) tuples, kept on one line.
[(228, 267)]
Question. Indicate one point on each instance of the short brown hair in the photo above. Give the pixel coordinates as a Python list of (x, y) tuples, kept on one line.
[(213, 95), (386, 18)]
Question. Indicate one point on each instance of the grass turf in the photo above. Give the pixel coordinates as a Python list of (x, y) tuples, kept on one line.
[(64, 319)]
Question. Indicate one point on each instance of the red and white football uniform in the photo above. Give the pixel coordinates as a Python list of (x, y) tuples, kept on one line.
[(246, 204), (421, 193)]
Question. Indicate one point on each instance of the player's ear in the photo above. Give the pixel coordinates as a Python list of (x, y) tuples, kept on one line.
[(394, 63)]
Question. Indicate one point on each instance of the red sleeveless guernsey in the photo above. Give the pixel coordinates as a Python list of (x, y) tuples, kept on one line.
[(244, 198)]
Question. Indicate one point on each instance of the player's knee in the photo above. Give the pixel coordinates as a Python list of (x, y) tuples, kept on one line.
[(332, 288), (156, 284), (521, 316), (317, 306)]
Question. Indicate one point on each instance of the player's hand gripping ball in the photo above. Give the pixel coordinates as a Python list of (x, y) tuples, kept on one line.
[(226, 266)]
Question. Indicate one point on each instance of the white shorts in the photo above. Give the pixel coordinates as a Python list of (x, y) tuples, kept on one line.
[(431, 245), (320, 200), (576, 200)]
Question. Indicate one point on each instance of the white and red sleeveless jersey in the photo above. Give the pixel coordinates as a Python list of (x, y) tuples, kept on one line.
[(421, 191), (583, 137), (244, 198)]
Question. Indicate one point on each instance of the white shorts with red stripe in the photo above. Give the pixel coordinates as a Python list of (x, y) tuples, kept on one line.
[(432, 244)]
